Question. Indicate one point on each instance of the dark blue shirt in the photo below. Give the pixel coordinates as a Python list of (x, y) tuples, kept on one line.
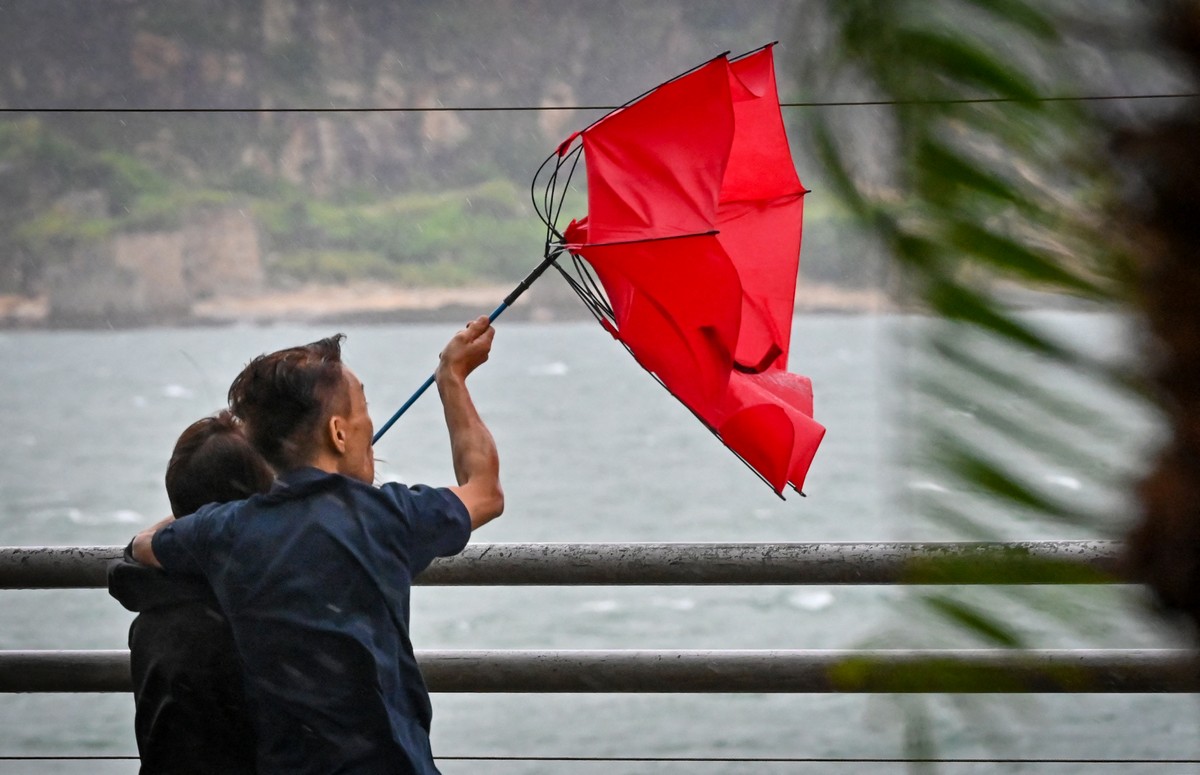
[(314, 578)]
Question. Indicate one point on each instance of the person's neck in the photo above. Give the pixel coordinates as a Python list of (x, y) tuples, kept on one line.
[(325, 462)]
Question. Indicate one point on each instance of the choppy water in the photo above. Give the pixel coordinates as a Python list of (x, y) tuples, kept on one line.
[(592, 451)]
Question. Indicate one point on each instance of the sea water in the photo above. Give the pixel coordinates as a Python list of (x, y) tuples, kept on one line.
[(592, 450)]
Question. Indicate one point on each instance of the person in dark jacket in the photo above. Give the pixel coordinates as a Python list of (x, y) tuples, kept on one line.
[(315, 576), (191, 714)]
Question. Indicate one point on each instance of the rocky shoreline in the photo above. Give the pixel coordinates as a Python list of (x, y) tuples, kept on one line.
[(371, 303)]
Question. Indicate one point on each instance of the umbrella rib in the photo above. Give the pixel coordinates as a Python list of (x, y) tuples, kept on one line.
[(589, 301), (575, 155), (594, 288), (639, 240)]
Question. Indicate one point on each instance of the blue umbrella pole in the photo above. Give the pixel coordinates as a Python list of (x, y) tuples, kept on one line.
[(509, 300)]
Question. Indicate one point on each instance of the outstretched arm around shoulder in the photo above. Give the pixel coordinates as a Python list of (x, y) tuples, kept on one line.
[(476, 460), (143, 550)]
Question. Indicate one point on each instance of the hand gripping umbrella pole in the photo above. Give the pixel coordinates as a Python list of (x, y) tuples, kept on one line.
[(509, 300)]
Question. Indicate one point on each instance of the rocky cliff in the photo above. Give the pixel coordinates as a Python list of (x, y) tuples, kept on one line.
[(353, 54), (295, 80)]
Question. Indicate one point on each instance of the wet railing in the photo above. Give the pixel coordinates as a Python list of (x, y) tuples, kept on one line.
[(706, 671), (1027, 562), (684, 671), (710, 671)]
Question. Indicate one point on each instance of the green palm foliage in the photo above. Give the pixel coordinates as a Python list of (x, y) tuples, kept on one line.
[(989, 199)]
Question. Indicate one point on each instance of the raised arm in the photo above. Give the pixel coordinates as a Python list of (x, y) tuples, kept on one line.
[(476, 461)]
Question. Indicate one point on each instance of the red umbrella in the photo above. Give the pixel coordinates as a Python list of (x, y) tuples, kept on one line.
[(693, 234)]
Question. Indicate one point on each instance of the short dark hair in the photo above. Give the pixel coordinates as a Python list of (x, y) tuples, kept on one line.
[(213, 462), (283, 397)]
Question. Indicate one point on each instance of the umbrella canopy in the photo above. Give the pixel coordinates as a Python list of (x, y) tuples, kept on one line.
[(693, 233)]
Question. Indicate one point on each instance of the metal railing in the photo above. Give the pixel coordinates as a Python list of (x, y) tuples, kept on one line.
[(716, 671), (1106, 671), (1026, 562)]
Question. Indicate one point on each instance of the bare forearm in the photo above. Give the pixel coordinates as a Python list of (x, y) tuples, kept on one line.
[(471, 444), (473, 451), (143, 550)]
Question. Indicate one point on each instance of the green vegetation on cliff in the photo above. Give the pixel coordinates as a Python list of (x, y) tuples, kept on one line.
[(448, 238), (409, 193)]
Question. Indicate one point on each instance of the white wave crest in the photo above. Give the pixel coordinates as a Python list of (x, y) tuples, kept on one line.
[(811, 599), (118, 517), (674, 603)]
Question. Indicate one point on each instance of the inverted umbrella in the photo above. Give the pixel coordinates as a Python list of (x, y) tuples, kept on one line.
[(693, 238), (689, 252)]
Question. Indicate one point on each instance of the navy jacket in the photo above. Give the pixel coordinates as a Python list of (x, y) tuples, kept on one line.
[(315, 579)]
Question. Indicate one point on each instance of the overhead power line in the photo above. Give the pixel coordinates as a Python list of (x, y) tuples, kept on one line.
[(559, 108)]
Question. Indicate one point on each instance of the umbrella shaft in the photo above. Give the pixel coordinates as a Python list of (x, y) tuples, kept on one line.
[(508, 302)]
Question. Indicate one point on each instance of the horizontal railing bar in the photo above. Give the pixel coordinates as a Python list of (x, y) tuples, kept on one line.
[(552, 564), (709, 671), (694, 759), (507, 758)]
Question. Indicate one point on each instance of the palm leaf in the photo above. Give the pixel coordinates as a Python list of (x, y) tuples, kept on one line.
[(980, 185)]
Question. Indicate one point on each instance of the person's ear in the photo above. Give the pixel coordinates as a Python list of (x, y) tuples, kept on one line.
[(336, 432)]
